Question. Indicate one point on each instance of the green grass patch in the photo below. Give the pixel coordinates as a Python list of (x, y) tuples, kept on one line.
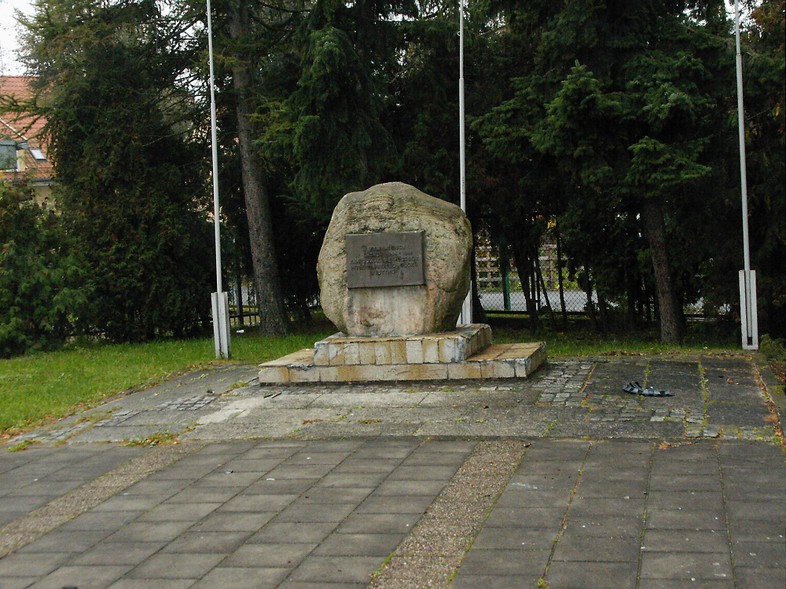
[(250, 347), (159, 439), (775, 352), (45, 386), (37, 388), (582, 340), (23, 445)]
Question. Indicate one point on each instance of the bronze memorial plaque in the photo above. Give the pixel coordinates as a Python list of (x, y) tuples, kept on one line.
[(385, 259)]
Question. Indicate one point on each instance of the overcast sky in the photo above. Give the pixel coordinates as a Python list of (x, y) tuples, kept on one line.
[(8, 35)]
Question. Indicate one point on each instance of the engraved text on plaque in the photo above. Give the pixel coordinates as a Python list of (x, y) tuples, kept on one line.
[(385, 259)]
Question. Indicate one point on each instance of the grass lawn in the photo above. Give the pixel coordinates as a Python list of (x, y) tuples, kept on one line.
[(45, 386), (49, 385), (582, 340)]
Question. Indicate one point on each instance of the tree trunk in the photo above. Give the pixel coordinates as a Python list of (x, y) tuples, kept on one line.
[(630, 314), (603, 313), (272, 313), (542, 283), (524, 269), (239, 284), (590, 304), (562, 306), (668, 306), (478, 312)]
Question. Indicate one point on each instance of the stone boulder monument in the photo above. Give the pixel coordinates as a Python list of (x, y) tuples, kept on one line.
[(394, 270), (394, 262)]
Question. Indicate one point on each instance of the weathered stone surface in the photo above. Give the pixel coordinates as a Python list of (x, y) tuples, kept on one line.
[(397, 310), (497, 361), (437, 348)]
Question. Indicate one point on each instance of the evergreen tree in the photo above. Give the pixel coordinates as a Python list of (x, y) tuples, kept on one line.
[(765, 110), (129, 178), (631, 100), (42, 288), (273, 318)]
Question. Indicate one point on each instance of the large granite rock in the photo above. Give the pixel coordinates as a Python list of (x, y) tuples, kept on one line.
[(430, 307)]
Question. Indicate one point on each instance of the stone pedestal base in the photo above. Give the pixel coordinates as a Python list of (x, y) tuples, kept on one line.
[(437, 348), (466, 353)]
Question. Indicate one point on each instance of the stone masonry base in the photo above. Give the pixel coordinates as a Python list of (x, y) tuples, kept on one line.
[(466, 353)]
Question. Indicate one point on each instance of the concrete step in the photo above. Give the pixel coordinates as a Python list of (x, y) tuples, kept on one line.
[(495, 361)]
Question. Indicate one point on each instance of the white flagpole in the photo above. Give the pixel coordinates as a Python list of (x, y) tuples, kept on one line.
[(750, 329), (219, 298), (466, 308)]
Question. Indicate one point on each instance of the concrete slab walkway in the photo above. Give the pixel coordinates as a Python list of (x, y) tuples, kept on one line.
[(559, 482)]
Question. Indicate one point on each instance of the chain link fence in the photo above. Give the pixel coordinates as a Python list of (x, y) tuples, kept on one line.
[(243, 308), (498, 286), (500, 290)]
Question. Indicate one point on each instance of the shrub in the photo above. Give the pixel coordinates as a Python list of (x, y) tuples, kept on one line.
[(41, 285)]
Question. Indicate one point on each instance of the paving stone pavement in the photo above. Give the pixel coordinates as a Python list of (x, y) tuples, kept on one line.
[(561, 481)]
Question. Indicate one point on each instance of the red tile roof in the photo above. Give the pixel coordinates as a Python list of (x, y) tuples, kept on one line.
[(24, 127)]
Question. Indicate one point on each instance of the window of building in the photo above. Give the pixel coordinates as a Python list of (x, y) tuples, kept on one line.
[(7, 155)]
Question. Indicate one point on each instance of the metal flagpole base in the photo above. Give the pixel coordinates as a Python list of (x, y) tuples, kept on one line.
[(748, 315), (220, 302)]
